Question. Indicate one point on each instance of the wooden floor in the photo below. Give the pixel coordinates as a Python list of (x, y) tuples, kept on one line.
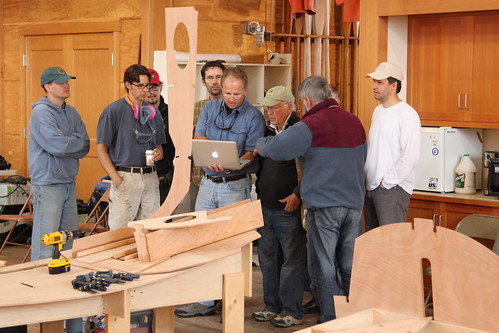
[(14, 255)]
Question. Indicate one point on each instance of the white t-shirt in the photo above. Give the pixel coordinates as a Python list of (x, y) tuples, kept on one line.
[(393, 147)]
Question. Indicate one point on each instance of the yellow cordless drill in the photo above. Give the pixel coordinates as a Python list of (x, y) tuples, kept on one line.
[(58, 238)]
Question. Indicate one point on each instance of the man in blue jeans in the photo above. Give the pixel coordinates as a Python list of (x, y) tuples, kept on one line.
[(231, 118), (58, 140), (331, 146), (281, 249)]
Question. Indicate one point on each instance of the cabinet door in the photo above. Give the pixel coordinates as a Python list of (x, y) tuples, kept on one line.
[(483, 98), (421, 209), (439, 66)]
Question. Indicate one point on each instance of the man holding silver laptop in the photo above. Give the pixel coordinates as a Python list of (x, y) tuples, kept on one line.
[(232, 118)]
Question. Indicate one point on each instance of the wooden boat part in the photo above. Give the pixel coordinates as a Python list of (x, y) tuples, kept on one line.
[(191, 220), (168, 241), (388, 274)]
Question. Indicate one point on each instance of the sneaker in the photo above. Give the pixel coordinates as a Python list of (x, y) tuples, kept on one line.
[(311, 307), (195, 310), (264, 315), (285, 320)]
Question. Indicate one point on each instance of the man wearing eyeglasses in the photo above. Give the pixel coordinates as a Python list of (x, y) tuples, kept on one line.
[(126, 129), (281, 249), (232, 118), (164, 167), (211, 77)]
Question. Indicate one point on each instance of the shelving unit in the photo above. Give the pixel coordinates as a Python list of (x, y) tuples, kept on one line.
[(261, 77)]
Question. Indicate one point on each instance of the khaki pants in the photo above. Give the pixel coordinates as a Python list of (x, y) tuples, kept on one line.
[(136, 198)]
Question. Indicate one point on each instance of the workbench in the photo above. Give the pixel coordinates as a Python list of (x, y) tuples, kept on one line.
[(221, 270)]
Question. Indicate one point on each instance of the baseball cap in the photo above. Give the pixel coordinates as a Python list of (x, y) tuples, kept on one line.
[(386, 70), (55, 74), (154, 77), (278, 94)]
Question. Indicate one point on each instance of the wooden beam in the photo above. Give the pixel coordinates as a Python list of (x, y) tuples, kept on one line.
[(404, 7), (71, 27), (373, 50), (233, 304)]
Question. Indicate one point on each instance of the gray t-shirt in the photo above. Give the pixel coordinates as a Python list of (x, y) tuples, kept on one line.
[(118, 128)]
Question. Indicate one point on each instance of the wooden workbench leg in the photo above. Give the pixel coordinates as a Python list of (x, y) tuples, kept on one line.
[(52, 327), (247, 268), (233, 303), (116, 306), (163, 320)]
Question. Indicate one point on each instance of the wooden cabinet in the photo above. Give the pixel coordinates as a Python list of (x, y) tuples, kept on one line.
[(448, 209), (453, 72)]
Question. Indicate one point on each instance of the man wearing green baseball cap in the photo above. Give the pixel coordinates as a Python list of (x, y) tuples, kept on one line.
[(55, 74), (58, 140)]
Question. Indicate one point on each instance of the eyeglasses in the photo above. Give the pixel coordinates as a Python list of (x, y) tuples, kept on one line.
[(274, 108), (213, 78), (231, 123), (154, 87), (142, 86)]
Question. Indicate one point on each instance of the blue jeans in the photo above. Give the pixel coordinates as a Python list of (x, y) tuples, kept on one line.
[(54, 209), (214, 195), (281, 253), (331, 233)]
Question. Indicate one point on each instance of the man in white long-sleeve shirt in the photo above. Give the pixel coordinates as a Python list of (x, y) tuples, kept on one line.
[(392, 150)]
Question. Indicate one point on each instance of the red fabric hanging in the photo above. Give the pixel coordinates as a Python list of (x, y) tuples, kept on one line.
[(351, 10), (300, 7)]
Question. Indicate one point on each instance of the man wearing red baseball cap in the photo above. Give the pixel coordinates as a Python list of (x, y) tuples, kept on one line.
[(164, 167)]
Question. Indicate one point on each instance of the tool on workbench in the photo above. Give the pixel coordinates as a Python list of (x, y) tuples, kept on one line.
[(57, 239), (100, 280)]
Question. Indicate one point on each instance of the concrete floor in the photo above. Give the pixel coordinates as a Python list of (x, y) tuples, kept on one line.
[(14, 255)]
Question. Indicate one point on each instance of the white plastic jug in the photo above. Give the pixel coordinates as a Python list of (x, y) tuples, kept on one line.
[(465, 175)]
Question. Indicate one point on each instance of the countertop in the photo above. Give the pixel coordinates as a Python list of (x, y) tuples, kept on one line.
[(478, 199)]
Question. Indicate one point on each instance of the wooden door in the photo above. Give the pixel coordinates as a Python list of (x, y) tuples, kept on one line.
[(439, 66), (483, 97), (89, 57)]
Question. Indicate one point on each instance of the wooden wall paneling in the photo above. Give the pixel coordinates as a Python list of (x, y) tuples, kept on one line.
[(1, 78), (91, 56), (373, 50), (18, 11), (221, 10), (153, 29), (129, 42), (404, 7)]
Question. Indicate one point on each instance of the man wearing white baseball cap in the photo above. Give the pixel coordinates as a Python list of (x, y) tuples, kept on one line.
[(392, 150)]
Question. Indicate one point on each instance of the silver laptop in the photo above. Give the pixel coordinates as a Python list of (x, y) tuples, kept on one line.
[(224, 153)]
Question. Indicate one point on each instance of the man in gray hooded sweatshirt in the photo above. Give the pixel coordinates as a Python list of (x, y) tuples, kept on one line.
[(58, 139)]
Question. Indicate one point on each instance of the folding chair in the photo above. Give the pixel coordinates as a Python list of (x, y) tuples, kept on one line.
[(24, 216), (100, 215)]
